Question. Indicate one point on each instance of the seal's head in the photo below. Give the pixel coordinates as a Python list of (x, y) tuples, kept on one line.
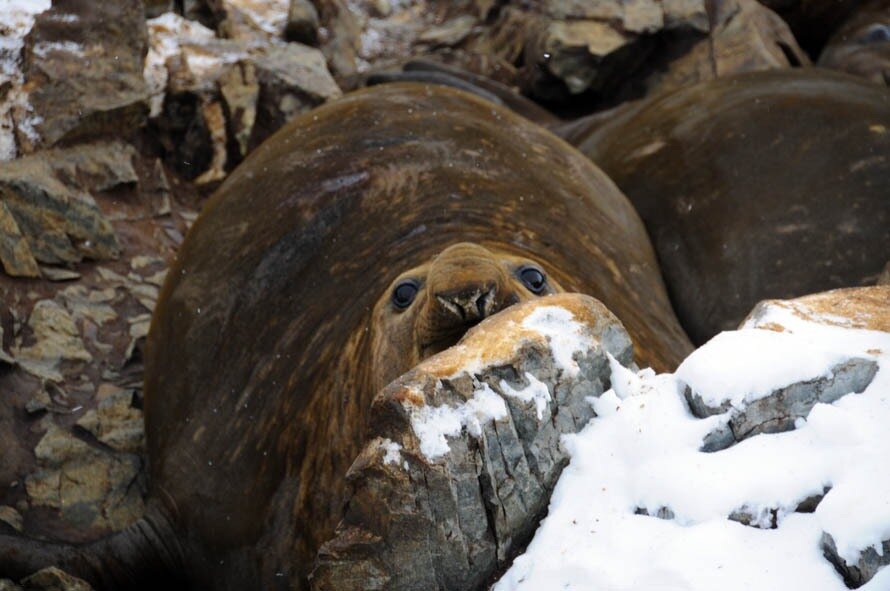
[(862, 45), (429, 308)]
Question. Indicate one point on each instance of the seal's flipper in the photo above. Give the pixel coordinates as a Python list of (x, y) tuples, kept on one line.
[(432, 72), (143, 556)]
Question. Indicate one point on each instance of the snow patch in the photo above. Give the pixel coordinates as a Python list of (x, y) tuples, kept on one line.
[(743, 366), (43, 48), (564, 333), (16, 20), (393, 452), (432, 424), (536, 391)]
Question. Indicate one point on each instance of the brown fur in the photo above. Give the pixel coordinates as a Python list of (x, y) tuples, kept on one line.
[(754, 186)]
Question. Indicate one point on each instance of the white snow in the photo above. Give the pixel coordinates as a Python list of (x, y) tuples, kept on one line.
[(392, 452), (536, 391), (432, 424), (641, 452), (44, 47), (740, 366), (563, 331), (16, 19)]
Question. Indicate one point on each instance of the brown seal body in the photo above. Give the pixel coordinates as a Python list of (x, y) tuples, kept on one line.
[(762, 185), (279, 319)]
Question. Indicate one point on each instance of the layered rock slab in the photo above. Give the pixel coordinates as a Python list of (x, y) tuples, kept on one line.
[(464, 450)]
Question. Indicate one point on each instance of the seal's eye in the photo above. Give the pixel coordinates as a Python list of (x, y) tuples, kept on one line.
[(877, 34), (404, 294), (533, 279)]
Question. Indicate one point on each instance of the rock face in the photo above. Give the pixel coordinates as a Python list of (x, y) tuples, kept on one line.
[(862, 44), (813, 21), (858, 308), (864, 569), (465, 449), (83, 71), (47, 214), (778, 410), (595, 53), (745, 36), (213, 98)]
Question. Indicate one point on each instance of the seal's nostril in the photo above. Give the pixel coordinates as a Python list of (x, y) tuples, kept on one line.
[(485, 303)]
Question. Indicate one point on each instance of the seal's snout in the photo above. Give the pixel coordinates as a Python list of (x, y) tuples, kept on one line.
[(469, 305)]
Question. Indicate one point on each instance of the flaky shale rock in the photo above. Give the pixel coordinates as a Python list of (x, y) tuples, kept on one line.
[(83, 65), (464, 450)]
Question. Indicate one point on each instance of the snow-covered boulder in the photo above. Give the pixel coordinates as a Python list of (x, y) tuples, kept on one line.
[(643, 506), (465, 448)]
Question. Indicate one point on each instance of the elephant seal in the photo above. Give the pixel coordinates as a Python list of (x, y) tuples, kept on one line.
[(765, 185), (384, 222), (862, 45)]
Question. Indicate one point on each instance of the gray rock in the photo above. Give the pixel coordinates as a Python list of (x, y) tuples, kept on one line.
[(661, 512), (302, 22), (745, 36), (116, 423), (84, 71), (43, 219), (858, 574), (450, 33), (91, 488), (770, 517), (292, 78), (155, 8), (240, 91), (778, 411), (4, 356), (341, 43), (157, 190), (54, 579), (449, 518), (58, 273), (11, 517), (58, 347)]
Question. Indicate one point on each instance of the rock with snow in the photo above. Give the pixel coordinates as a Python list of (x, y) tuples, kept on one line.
[(861, 570), (82, 68), (16, 20), (642, 506), (214, 98), (465, 448), (720, 381)]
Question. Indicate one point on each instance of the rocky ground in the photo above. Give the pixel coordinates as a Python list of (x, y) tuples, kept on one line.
[(117, 120)]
